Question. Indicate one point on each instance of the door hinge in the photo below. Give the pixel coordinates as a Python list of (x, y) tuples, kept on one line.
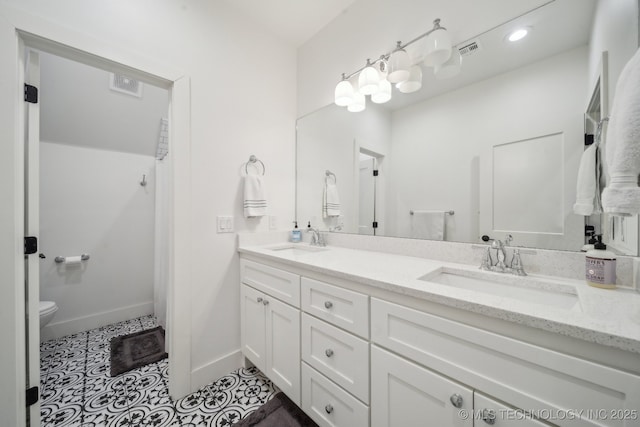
[(588, 139), (375, 224), (30, 94), (30, 245), (375, 172), (32, 395)]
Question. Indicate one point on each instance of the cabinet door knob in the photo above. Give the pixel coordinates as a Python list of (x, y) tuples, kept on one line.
[(328, 409), (328, 352), (259, 299), (489, 416), (265, 302), (328, 304), (456, 400)]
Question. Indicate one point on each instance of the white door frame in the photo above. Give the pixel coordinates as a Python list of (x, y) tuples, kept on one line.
[(17, 31)]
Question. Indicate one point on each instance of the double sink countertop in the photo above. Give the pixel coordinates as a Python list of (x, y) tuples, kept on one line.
[(564, 306)]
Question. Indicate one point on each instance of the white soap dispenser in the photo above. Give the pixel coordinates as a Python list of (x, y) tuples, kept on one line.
[(600, 266)]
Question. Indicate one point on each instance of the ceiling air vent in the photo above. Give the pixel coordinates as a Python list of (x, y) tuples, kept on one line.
[(124, 84), (469, 48)]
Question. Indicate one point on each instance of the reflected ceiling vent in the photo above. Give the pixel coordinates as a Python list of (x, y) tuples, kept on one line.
[(124, 84), (470, 48)]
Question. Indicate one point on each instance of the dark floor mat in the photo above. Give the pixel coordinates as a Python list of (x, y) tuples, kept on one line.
[(280, 411), (135, 350)]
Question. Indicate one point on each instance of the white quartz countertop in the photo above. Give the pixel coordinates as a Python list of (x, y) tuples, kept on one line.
[(607, 317)]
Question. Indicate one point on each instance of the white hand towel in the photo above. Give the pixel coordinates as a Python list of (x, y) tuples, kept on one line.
[(330, 201), (587, 189), (428, 225), (622, 194), (255, 196)]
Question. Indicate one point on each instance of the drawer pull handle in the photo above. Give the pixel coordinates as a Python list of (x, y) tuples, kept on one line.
[(328, 304), (328, 352), (265, 302), (259, 299), (328, 409), (456, 400), (489, 416)]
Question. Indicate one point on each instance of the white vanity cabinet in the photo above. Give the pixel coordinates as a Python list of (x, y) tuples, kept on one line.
[(537, 380), (270, 328), (335, 354), (353, 355)]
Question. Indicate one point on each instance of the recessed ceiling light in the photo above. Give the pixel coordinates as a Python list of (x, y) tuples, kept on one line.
[(518, 34)]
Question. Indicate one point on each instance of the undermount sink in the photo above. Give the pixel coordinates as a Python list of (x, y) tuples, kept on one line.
[(531, 290), (298, 249)]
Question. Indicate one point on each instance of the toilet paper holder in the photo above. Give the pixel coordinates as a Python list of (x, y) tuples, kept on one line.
[(61, 259)]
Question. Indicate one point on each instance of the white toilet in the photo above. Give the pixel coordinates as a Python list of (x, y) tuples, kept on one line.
[(47, 311)]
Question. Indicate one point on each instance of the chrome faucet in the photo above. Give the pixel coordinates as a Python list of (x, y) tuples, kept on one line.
[(500, 266), (317, 239)]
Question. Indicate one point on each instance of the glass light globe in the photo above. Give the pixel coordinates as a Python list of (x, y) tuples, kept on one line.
[(358, 104), (343, 95), (368, 80), (450, 68), (413, 83), (438, 48), (399, 64), (383, 94)]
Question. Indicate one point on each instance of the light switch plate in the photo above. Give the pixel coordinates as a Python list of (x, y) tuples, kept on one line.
[(225, 224), (273, 222)]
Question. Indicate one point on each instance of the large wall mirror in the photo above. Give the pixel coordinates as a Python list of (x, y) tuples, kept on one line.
[(492, 151)]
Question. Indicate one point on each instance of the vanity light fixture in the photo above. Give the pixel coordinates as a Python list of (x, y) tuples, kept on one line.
[(344, 92), (368, 79), (413, 83), (358, 104), (450, 68), (375, 77), (383, 94), (438, 45)]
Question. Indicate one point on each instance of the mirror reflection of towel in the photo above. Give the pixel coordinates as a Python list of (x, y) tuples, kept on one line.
[(330, 201), (428, 225), (255, 196)]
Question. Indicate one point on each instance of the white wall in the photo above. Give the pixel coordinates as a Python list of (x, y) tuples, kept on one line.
[(615, 29), (243, 86), (437, 145), (91, 202)]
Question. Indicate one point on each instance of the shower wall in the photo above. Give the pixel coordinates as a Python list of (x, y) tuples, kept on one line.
[(91, 202)]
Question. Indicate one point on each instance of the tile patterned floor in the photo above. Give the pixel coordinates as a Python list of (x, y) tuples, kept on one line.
[(76, 389)]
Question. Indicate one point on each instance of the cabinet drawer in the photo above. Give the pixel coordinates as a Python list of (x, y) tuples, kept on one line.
[(502, 415), (329, 405), (406, 394), (346, 309), (342, 357), (278, 283), (527, 376)]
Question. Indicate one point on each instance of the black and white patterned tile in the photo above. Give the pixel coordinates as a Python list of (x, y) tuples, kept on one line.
[(77, 390)]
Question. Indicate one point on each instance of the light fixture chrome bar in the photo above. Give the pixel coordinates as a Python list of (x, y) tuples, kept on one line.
[(385, 56)]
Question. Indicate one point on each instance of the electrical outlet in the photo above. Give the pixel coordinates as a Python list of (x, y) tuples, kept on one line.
[(273, 222), (225, 224)]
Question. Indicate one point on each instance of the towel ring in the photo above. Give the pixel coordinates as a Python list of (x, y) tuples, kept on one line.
[(253, 160), (328, 173)]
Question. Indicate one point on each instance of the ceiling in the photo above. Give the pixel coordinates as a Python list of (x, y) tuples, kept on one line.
[(294, 21)]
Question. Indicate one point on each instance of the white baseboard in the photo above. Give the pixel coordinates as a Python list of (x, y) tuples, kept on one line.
[(81, 324), (213, 370)]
